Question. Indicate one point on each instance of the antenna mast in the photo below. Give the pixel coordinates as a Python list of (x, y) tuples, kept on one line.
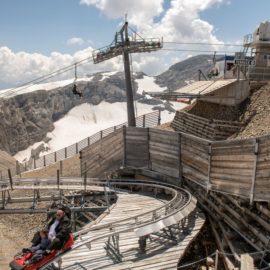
[(124, 45)]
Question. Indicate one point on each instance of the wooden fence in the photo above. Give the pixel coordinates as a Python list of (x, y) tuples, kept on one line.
[(239, 167), (147, 120), (104, 156), (204, 128)]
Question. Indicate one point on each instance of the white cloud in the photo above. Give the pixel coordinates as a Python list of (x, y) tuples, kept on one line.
[(21, 67), (139, 10), (75, 41), (179, 22)]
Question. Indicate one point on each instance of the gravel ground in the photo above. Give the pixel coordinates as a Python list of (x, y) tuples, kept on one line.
[(255, 112), (16, 231)]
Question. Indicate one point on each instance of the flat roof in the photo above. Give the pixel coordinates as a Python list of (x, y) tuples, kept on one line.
[(204, 87)]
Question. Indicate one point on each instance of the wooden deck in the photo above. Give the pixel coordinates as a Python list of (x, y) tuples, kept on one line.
[(161, 253)]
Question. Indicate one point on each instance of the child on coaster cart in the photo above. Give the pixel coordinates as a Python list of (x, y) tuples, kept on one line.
[(57, 237), (39, 250)]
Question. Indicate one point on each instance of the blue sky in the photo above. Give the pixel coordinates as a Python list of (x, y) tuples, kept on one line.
[(33, 30), (45, 26)]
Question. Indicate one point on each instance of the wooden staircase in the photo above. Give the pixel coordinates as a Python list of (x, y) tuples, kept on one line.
[(204, 128)]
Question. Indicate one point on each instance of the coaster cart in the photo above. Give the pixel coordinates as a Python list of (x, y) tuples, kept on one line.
[(20, 260)]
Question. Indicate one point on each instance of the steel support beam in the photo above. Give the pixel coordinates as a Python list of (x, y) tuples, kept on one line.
[(51, 211), (129, 91)]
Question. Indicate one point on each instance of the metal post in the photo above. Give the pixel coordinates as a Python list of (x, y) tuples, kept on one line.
[(208, 184), (159, 117), (85, 169), (61, 167), (55, 157), (58, 179), (144, 120), (180, 160), (10, 179), (85, 180), (216, 260), (124, 146), (148, 150), (130, 101)]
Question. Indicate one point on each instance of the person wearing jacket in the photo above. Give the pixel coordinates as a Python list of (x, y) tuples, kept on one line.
[(59, 229)]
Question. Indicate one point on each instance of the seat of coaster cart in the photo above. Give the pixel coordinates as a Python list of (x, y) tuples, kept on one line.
[(19, 260)]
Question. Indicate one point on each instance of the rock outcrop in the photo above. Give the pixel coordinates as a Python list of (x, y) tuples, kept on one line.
[(26, 118)]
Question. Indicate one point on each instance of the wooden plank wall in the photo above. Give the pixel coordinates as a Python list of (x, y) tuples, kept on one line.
[(262, 183), (195, 159), (232, 166), (164, 152), (136, 147), (103, 156), (240, 167)]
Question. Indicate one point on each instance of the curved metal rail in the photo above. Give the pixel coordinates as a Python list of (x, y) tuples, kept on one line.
[(177, 208)]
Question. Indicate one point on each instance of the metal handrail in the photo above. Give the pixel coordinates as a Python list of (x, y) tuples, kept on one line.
[(135, 225), (79, 184)]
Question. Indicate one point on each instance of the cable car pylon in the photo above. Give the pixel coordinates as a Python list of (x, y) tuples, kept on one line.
[(123, 44)]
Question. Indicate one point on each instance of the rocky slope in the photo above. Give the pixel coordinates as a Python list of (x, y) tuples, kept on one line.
[(183, 72), (26, 118), (255, 113)]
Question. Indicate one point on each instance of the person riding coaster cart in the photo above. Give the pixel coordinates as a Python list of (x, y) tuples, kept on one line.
[(20, 261), (60, 240)]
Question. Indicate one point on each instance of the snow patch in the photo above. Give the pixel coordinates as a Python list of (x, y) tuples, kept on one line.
[(86, 119), (107, 75), (147, 84)]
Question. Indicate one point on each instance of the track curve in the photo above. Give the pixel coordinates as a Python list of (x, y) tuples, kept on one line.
[(168, 214)]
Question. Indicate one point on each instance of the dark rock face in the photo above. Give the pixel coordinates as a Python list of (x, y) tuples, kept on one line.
[(26, 118), (177, 74)]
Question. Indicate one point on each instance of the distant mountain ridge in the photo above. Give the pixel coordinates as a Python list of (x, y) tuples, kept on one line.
[(186, 71)]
